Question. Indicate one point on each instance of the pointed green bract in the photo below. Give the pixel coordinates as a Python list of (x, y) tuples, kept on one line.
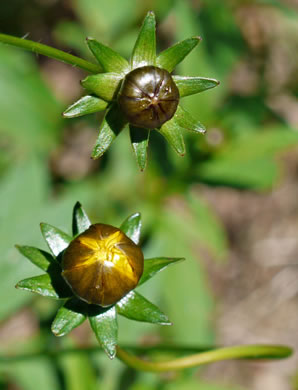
[(86, 105), (144, 52), (105, 327), (172, 133), (155, 265), (80, 220), (41, 285), (171, 57), (37, 256), (132, 227), (139, 140), (192, 85), (111, 126), (185, 120), (104, 85), (110, 60), (68, 317), (135, 307), (55, 238)]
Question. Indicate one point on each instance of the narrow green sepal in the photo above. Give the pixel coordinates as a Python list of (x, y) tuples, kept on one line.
[(68, 317), (171, 57), (111, 126), (192, 85), (110, 60), (104, 85), (155, 265), (132, 227), (135, 307), (104, 324), (44, 285), (55, 238), (188, 122), (84, 106), (139, 140), (80, 220), (144, 51), (172, 133), (37, 256)]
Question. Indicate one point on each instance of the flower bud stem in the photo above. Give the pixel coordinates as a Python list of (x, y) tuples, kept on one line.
[(51, 52)]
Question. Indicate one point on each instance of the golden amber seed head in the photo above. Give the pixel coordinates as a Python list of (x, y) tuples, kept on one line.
[(102, 265)]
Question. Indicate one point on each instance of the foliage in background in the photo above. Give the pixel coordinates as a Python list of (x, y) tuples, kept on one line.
[(246, 133)]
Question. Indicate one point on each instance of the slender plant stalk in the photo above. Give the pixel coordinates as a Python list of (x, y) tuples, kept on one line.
[(49, 51), (236, 352)]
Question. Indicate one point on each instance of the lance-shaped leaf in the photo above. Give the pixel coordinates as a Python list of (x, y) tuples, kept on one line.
[(43, 285), (55, 238), (104, 85), (172, 133), (171, 57), (144, 52), (192, 85), (188, 122), (110, 60), (86, 105), (80, 220), (111, 126), (37, 256), (132, 227), (139, 140), (104, 325), (155, 265), (135, 307), (69, 316)]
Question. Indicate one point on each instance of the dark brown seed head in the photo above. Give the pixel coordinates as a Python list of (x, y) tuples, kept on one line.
[(148, 97)]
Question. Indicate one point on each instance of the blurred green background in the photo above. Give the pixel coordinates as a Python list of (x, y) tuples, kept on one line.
[(229, 206)]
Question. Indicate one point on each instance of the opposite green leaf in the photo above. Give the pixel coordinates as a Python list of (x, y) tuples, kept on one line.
[(86, 105), (152, 266), (105, 327), (37, 256), (144, 52), (171, 57), (55, 238), (104, 85), (109, 129), (135, 307), (139, 140), (42, 285), (185, 120), (132, 227), (80, 220), (110, 60), (68, 317), (172, 133), (192, 85)]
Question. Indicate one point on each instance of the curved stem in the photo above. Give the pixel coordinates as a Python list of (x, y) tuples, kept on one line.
[(236, 352), (49, 51)]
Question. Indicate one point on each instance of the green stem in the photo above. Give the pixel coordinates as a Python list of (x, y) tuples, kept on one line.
[(49, 51), (236, 352)]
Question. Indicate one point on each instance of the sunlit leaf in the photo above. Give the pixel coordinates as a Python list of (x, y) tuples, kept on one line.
[(154, 265), (55, 238), (68, 317), (104, 85), (171, 57), (86, 105), (139, 141), (192, 85), (80, 220), (187, 122), (144, 52), (37, 256), (132, 227), (43, 285), (135, 307), (172, 133), (109, 59), (104, 325)]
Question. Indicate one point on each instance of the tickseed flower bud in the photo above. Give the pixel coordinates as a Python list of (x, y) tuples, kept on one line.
[(102, 265)]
